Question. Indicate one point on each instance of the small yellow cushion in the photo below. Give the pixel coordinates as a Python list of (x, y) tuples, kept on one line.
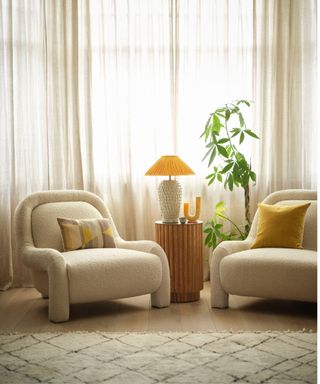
[(280, 226), (86, 233)]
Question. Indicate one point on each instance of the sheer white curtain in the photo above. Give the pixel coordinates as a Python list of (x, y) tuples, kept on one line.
[(284, 85), (93, 92)]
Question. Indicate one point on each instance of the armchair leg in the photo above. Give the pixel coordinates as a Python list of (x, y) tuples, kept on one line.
[(58, 316), (160, 298), (58, 296), (58, 308), (219, 298)]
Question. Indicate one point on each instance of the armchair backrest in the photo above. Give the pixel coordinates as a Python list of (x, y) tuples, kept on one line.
[(36, 216), (290, 197)]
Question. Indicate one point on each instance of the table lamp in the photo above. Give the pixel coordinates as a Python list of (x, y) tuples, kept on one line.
[(170, 191)]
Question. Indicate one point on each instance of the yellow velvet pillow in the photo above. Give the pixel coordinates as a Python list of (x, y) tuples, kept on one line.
[(280, 226)]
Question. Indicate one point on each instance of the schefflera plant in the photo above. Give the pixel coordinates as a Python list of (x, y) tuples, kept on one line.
[(224, 133)]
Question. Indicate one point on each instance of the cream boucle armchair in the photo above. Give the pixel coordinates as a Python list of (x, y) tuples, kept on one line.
[(282, 273), (132, 268)]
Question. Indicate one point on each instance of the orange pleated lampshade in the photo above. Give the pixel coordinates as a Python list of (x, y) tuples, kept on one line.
[(169, 166)]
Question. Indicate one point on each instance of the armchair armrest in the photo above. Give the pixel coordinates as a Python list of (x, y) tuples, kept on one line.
[(147, 246), (234, 246), (51, 261), (137, 245), (42, 258), (219, 298), (160, 298)]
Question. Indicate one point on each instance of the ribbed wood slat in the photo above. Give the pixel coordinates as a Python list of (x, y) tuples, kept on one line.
[(183, 246)]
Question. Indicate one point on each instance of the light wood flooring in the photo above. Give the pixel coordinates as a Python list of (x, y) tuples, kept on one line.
[(22, 309)]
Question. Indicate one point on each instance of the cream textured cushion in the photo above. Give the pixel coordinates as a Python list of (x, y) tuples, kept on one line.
[(86, 233), (107, 273), (44, 225), (271, 273)]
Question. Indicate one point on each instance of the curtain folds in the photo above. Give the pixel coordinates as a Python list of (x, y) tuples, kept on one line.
[(93, 92), (285, 94)]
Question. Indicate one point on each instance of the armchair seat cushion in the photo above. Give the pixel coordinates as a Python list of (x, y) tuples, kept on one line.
[(107, 273), (281, 273)]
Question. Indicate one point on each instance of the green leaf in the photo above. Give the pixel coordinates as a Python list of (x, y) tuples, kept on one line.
[(228, 114), (227, 167), (218, 226), (230, 182), (209, 145), (207, 154), (203, 133), (243, 101), (214, 135), (219, 209), (220, 206), (217, 232), (222, 151), (229, 149), (213, 155), (241, 119), (212, 180), (241, 138), (219, 177), (253, 176), (207, 230), (235, 109), (214, 240), (209, 176), (216, 123), (250, 133), (235, 132), (207, 134), (208, 239), (245, 180), (242, 162), (224, 140), (208, 122), (236, 175)]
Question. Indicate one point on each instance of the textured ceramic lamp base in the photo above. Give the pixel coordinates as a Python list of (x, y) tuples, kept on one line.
[(170, 193)]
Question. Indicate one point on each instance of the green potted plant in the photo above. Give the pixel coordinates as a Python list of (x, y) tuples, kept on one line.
[(223, 134)]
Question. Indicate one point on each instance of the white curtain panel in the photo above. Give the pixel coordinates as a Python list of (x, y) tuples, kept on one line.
[(94, 92)]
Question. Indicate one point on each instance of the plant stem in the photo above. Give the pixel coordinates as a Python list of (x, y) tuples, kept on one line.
[(247, 209), (233, 223), (229, 138)]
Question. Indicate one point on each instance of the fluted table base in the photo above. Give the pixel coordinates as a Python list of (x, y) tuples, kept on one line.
[(183, 246)]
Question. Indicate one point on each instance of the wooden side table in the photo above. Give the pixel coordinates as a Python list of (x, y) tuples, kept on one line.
[(183, 246)]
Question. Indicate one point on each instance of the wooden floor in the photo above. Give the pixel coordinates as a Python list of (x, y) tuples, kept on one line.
[(22, 309)]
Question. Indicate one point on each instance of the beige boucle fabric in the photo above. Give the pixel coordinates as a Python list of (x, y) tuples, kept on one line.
[(268, 272), (55, 274), (45, 227), (271, 272), (106, 273)]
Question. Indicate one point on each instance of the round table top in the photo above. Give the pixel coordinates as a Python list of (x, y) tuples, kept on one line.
[(187, 223)]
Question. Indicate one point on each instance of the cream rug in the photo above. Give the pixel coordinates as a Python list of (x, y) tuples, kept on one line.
[(146, 358)]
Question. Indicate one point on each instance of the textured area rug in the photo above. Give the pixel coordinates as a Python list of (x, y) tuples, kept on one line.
[(146, 358)]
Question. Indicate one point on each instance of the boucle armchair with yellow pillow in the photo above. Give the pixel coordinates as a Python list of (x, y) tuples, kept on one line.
[(263, 265), (99, 265)]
